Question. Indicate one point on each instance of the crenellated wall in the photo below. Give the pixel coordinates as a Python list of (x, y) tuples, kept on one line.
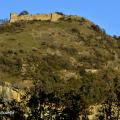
[(52, 17)]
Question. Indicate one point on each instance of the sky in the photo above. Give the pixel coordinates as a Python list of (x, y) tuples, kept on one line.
[(102, 12)]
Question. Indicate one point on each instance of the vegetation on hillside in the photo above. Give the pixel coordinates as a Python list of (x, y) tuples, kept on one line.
[(72, 63)]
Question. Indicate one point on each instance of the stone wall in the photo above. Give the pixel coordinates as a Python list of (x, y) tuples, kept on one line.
[(52, 17), (56, 16)]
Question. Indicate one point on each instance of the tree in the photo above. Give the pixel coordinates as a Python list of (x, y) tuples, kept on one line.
[(24, 13)]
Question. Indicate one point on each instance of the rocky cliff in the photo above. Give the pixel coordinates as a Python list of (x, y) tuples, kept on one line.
[(9, 92)]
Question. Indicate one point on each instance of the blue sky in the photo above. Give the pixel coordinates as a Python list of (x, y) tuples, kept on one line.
[(102, 12)]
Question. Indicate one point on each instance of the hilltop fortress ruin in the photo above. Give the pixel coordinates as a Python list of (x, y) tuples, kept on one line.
[(27, 17)]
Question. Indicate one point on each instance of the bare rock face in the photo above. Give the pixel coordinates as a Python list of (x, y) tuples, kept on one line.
[(8, 92)]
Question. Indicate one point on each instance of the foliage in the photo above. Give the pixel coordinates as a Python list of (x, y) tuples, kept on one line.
[(72, 65), (24, 13)]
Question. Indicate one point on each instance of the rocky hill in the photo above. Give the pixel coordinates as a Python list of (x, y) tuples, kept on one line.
[(71, 63)]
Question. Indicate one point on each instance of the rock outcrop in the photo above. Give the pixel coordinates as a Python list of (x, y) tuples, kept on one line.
[(9, 92)]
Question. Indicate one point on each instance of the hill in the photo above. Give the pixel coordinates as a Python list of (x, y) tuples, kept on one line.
[(71, 63)]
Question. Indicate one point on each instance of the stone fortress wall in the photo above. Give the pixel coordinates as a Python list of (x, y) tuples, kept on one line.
[(51, 17)]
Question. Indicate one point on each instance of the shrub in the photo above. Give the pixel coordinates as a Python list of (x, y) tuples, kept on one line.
[(96, 28), (24, 13), (60, 13), (75, 30)]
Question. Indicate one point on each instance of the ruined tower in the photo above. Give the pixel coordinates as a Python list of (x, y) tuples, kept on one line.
[(13, 17)]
